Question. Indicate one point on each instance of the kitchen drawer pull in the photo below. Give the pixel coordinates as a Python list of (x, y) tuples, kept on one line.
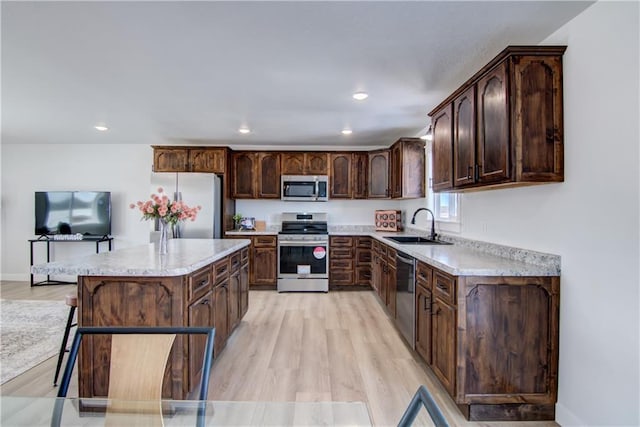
[(442, 287), (205, 302), (203, 282)]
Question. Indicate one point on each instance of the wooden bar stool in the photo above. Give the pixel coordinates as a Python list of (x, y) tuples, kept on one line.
[(72, 302)]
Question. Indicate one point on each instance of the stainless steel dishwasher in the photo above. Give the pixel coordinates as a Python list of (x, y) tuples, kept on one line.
[(405, 296)]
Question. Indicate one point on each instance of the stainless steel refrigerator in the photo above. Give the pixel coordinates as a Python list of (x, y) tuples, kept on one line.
[(204, 189)]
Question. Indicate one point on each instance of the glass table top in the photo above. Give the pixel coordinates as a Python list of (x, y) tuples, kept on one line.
[(30, 411)]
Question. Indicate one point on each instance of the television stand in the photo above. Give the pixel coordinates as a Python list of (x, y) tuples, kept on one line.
[(49, 240)]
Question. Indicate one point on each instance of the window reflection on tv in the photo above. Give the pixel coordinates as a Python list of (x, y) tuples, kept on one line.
[(73, 212)]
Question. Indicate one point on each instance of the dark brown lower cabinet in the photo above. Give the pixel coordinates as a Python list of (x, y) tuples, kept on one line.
[(491, 341), (201, 298)]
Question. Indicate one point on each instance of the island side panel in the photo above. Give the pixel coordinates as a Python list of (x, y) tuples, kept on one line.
[(129, 301)]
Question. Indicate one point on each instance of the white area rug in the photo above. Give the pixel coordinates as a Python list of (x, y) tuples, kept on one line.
[(30, 333)]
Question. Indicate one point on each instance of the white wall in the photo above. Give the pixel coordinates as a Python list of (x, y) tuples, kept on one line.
[(122, 169), (591, 219)]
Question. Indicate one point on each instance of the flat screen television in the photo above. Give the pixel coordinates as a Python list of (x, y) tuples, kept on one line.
[(73, 212)]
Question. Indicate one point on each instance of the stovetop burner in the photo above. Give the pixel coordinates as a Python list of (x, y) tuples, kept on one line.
[(304, 223)]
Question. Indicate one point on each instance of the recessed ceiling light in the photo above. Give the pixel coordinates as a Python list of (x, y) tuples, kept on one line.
[(347, 131), (101, 128), (244, 130), (360, 96)]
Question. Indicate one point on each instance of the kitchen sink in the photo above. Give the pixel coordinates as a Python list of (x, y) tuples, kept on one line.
[(416, 240)]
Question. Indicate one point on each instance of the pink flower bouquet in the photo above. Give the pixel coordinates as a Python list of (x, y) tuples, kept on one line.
[(159, 206)]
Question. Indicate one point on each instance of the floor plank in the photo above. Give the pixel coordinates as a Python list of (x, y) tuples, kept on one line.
[(338, 346)]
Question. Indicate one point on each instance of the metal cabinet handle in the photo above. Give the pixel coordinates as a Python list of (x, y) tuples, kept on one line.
[(435, 313), (469, 172), (441, 287), (205, 302)]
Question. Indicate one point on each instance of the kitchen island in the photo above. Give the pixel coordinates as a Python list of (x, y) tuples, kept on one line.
[(200, 282)]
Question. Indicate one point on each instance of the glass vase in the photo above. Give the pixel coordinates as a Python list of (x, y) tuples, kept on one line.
[(164, 236)]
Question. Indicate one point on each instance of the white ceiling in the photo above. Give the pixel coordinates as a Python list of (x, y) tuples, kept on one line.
[(194, 72)]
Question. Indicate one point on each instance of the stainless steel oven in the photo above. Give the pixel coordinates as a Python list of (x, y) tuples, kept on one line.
[(303, 253)]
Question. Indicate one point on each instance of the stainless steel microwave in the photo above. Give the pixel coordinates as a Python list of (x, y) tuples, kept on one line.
[(301, 188)]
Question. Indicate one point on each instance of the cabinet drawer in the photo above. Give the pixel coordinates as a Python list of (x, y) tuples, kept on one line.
[(423, 275), (199, 282), (244, 255), (444, 286), (340, 241), (363, 256), (335, 253), (363, 275), (391, 256), (363, 242), (264, 241), (235, 262), (375, 246), (221, 269), (341, 277), (341, 264)]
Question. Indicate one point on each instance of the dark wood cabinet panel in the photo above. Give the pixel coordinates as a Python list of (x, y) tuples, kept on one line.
[(423, 322), (189, 159), (443, 356), (316, 163), (244, 288), (268, 185), (264, 266), (233, 306), (493, 126), (293, 163), (464, 138), (207, 160), (200, 313), (341, 260), (305, 163), (395, 170), (360, 174), (170, 159), (340, 176), (379, 175), (442, 149), (538, 118), (220, 315), (244, 174)]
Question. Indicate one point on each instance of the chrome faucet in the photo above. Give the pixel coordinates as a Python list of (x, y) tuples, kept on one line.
[(433, 234)]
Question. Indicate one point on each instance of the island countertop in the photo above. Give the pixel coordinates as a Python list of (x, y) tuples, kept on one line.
[(184, 256)]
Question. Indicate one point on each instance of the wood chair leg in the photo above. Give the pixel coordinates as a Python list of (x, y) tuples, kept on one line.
[(63, 346)]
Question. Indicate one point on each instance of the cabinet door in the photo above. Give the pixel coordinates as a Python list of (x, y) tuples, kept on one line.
[(200, 313), (207, 160), (493, 126), (233, 302), (340, 176), (443, 356), (442, 128), (379, 175), (170, 160), (268, 176), (359, 173), (413, 168), (395, 170), (244, 289), (391, 288), (316, 163), (464, 138), (538, 118), (423, 323), (263, 268), (220, 319), (244, 175), (292, 163)]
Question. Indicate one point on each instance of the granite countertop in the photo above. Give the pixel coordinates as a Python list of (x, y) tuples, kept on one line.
[(251, 233), (463, 258), (184, 256)]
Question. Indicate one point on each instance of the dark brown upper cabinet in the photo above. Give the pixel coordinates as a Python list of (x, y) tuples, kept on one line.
[(256, 175), (359, 172), (340, 176), (189, 159), (506, 124), (407, 172), (442, 148), (305, 163), (379, 175)]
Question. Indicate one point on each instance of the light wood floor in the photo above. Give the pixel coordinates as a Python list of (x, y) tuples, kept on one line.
[(339, 346)]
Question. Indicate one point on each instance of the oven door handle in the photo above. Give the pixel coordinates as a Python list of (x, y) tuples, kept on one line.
[(304, 243)]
